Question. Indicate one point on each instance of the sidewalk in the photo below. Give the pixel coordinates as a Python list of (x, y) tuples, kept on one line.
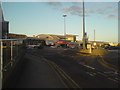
[(36, 73)]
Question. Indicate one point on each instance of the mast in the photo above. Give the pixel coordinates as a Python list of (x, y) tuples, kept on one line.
[(84, 42)]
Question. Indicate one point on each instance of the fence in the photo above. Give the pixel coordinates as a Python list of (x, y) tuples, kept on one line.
[(10, 51)]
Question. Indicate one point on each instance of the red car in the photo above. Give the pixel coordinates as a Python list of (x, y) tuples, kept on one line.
[(60, 42)]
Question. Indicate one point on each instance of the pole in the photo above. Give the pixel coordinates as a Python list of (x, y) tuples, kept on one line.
[(64, 26), (11, 53), (84, 43), (94, 35), (1, 59)]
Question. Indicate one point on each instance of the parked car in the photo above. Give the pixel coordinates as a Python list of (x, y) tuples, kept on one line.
[(111, 47), (50, 42), (72, 45)]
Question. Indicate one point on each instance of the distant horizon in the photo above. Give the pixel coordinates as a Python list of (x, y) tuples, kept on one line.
[(33, 18)]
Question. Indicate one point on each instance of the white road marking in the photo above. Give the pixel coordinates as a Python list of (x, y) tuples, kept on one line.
[(91, 74), (113, 79), (102, 74), (89, 67)]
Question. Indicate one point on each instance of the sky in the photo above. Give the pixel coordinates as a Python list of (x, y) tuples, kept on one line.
[(33, 18)]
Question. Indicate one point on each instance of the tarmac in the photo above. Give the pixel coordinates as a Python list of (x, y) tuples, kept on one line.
[(36, 73)]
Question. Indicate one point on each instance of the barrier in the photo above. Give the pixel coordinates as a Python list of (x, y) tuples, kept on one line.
[(10, 51)]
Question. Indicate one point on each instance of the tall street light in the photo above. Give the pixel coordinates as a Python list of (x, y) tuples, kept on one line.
[(84, 40), (64, 24), (94, 35)]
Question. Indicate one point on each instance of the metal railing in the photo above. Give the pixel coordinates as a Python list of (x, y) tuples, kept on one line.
[(10, 49)]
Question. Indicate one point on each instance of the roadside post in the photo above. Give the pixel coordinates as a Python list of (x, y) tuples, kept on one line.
[(89, 47)]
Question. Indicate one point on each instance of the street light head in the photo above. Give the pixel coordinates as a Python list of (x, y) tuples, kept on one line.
[(64, 15)]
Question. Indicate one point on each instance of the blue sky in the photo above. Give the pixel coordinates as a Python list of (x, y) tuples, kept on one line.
[(33, 18)]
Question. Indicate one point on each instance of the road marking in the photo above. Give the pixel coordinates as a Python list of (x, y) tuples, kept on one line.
[(105, 64), (117, 78), (91, 74), (102, 74), (68, 78), (89, 67), (113, 80)]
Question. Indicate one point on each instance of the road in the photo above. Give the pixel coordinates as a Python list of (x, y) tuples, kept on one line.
[(85, 71)]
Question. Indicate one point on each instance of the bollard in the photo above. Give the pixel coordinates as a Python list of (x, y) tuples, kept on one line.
[(90, 48)]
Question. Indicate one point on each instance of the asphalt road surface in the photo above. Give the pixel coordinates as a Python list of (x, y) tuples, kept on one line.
[(85, 71)]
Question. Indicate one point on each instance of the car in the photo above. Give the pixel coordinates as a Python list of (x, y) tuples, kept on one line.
[(111, 47), (72, 45)]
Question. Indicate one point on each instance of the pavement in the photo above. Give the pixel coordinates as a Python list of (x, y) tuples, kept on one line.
[(36, 73)]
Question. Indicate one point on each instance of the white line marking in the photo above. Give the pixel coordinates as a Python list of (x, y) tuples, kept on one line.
[(112, 79), (89, 67), (91, 74), (102, 74)]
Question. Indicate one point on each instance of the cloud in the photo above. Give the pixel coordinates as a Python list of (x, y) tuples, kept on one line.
[(106, 10), (95, 4), (54, 4), (109, 6), (100, 11), (91, 11), (115, 17), (74, 10)]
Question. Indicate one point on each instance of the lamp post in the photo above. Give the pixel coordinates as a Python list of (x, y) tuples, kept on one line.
[(64, 24), (94, 35), (84, 40)]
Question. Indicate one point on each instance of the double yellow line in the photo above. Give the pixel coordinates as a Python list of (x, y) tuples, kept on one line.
[(108, 65), (71, 83)]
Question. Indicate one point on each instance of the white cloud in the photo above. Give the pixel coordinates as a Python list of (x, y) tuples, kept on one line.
[(115, 17)]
